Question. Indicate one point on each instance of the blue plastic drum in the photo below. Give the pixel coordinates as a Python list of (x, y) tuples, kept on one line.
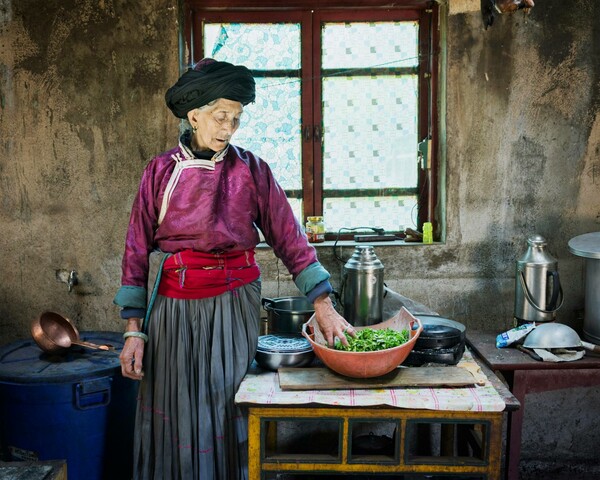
[(75, 406)]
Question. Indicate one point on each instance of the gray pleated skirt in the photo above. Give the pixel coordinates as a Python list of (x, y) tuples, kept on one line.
[(187, 424)]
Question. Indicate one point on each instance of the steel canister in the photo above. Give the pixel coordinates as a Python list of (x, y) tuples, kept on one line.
[(538, 293), (363, 287)]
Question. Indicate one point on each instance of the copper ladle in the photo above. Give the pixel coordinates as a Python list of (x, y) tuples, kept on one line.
[(53, 333)]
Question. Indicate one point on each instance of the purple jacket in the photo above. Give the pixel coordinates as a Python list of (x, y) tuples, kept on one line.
[(213, 211)]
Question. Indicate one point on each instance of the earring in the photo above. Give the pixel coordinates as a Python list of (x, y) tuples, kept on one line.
[(194, 129)]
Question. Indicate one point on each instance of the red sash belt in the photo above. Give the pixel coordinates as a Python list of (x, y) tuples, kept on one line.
[(194, 275)]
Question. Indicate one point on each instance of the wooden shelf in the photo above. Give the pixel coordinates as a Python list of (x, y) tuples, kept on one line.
[(467, 444)]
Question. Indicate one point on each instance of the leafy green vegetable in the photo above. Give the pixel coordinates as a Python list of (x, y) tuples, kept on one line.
[(371, 340)]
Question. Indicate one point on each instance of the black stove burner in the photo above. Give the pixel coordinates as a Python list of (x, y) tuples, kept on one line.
[(446, 356)]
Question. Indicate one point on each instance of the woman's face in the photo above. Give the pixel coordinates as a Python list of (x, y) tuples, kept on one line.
[(215, 124)]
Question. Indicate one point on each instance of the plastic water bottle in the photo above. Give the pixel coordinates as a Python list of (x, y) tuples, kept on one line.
[(427, 232)]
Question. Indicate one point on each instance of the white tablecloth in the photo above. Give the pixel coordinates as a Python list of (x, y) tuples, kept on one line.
[(261, 387)]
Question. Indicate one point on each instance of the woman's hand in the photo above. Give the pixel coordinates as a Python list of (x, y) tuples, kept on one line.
[(133, 352), (331, 323)]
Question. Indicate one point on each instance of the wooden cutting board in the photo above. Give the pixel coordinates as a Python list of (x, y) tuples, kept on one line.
[(320, 378)]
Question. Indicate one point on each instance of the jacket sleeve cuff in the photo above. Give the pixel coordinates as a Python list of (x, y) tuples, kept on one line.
[(129, 296), (320, 289), (310, 277), (129, 312)]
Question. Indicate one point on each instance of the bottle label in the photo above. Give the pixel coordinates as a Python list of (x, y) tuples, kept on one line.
[(315, 237), (315, 231)]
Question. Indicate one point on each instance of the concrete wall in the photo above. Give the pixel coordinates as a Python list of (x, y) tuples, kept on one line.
[(82, 110)]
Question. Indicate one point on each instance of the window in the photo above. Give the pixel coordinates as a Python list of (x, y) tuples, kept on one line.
[(345, 112)]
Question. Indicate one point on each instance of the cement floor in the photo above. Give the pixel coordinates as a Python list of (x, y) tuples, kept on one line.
[(537, 470)]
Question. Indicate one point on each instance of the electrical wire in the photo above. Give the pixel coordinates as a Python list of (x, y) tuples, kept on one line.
[(377, 230)]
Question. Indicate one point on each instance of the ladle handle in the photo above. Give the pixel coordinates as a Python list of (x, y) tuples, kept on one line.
[(531, 353), (591, 347), (82, 343)]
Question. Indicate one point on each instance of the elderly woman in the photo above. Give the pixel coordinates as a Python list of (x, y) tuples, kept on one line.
[(201, 204)]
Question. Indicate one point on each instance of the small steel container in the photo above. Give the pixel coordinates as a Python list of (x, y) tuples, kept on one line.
[(275, 351)]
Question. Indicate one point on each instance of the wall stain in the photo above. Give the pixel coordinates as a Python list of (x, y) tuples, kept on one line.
[(24, 205)]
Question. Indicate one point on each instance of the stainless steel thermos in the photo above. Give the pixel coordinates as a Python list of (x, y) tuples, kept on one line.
[(538, 293), (363, 287)]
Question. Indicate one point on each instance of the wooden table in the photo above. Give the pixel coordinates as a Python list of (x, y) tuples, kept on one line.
[(526, 375), (465, 444)]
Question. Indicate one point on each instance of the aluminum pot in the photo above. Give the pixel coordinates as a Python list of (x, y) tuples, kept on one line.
[(287, 314), (275, 351), (275, 360)]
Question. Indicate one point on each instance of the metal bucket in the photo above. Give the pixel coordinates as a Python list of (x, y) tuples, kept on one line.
[(588, 247)]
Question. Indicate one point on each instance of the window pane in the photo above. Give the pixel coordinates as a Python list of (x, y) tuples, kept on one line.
[(370, 132), (381, 44), (270, 127), (258, 46), (392, 214), (370, 122)]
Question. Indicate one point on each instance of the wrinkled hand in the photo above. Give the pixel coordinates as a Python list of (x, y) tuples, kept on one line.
[(133, 352), (331, 323)]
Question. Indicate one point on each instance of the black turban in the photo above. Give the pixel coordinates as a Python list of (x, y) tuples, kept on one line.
[(207, 81)]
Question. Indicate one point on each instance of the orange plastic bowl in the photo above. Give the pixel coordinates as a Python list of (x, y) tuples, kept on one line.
[(366, 364)]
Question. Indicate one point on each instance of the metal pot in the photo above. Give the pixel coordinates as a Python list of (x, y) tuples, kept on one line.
[(54, 333), (275, 351), (445, 329), (442, 341), (287, 314), (438, 336)]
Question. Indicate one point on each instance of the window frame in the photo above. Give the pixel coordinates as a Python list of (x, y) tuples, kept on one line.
[(195, 11)]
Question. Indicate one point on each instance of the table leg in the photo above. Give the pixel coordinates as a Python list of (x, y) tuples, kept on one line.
[(254, 443), (515, 425)]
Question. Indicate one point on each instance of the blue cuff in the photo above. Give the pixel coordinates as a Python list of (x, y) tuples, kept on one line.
[(129, 312), (310, 277), (129, 296), (320, 289)]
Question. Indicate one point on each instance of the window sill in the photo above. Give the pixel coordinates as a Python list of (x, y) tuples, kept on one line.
[(352, 243)]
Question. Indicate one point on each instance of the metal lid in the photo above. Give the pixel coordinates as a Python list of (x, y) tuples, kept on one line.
[(283, 344), (586, 245), (24, 362), (536, 255), (536, 241), (364, 258)]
